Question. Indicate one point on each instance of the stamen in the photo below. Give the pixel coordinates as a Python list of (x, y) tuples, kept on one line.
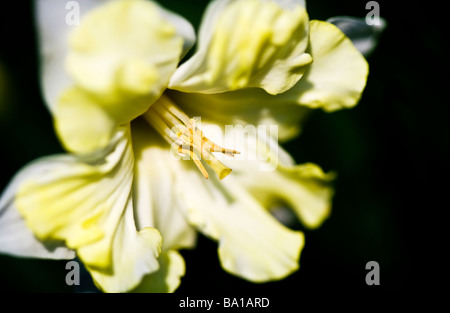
[(176, 127)]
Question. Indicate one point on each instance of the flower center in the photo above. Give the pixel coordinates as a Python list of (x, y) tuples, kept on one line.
[(182, 132)]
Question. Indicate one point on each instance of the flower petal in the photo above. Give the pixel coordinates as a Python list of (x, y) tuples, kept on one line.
[(54, 21), (338, 75), (251, 106), (87, 203), (84, 123), (124, 47), (81, 124), (15, 237), (269, 173), (248, 43), (155, 205), (252, 244), (134, 254), (363, 35), (168, 277)]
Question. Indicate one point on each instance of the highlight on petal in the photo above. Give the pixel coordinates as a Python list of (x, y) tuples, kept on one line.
[(247, 43), (87, 203), (124, 47), (364, 36), (338, 75)]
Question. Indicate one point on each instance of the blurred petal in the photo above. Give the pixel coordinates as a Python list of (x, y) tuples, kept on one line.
[(87, 203), (248, 43), (124, 47), (290, 4), (53, 30), (338, 75), (364, 36)]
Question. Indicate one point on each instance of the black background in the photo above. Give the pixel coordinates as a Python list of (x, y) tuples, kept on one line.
[(390, 153)]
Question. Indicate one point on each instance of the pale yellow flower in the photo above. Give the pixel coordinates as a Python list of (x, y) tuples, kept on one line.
[(120, 200)]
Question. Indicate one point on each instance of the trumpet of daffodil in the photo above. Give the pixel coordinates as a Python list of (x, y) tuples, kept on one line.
[(124, 104)]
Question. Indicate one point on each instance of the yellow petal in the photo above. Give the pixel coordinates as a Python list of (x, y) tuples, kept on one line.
[(338, 75), (249, 43), (81, 124), (85, 123), (134, 254)]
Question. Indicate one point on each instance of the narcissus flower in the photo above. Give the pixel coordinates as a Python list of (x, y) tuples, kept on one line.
[(123, 105)]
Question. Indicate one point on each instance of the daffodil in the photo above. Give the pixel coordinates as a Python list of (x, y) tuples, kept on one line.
[(124, 106)]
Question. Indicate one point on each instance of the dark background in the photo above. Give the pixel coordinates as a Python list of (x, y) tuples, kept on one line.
[(390, 152)]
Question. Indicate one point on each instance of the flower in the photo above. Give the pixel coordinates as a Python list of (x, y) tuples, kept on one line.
[(118, 95)]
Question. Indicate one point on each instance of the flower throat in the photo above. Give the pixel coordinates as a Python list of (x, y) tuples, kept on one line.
[(177, 128)]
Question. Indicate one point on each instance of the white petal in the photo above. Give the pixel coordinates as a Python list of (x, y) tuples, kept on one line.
[(15, 237), (364, 36), (55, 24), (54, 21)]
